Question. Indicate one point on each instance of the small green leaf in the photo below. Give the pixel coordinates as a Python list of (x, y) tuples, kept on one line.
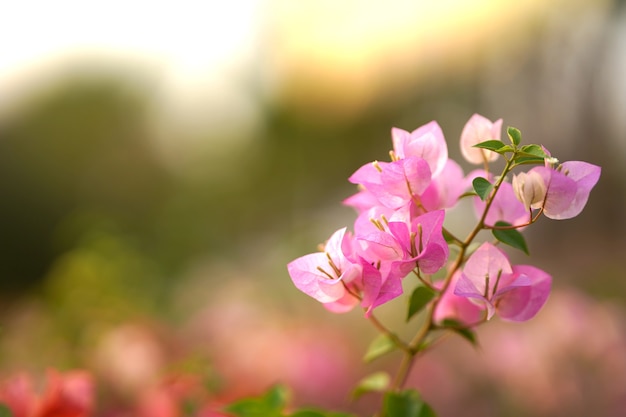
[(521, 159), (270, 404), (376, 382), (515, 136), (458, 327), (406, 404), (379, 346), (5, 411), (482, 187), (532, 150), (511, 237), (491, 145), (419, 298)]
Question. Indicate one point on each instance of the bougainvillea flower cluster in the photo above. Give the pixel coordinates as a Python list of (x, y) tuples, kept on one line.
[(401, 239), (400, 229)]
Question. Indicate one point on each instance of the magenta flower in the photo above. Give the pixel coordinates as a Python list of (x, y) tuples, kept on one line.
[(516, 293), (567, 188), (426, 142), (479, 129), (394, 184), (404, 246)]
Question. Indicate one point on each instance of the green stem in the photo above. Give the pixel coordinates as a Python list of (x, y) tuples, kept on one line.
[(415, 347), (391, 335)]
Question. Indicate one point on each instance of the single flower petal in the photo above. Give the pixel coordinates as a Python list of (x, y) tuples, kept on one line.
[(560, 193), (446, 188), (466, 287), (308, 279), (342, 305), (486, 262), (453, 306), (585, 176)]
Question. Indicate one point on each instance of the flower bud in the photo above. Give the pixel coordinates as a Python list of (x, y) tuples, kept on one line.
[(530, 189)]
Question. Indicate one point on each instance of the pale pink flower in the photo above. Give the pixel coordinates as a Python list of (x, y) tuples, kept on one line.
[(324, 275), (396, 183), (479, 129), (426, 142), (340, 278), (567, 188)]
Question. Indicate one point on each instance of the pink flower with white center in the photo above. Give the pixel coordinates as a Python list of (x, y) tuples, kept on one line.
[(426, 142), (479, 129), (516, 293), (396, 183), (567, 188)]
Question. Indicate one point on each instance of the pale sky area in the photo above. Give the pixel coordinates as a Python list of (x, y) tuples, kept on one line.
[(343, 53), (189, 35), (191, 51)]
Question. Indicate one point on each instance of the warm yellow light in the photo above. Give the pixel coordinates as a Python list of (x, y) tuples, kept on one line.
[(337, 56)]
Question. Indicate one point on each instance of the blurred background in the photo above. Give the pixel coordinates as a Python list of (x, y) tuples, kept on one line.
[(161, 163)]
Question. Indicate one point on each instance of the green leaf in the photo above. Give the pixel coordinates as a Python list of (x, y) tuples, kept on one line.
[(379, 346), (419, 298), (482, 187), (515, 136), (5, 411), (376, 382), (406, 404), (532, 150), (270, 404), (511, 237), (521, 159), (460, 329), (491, 145)]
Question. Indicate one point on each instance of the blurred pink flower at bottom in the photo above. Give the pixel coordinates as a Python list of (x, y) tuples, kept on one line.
[(68, 394)]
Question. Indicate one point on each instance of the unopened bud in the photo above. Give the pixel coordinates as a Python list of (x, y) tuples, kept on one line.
[(530, 189)]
